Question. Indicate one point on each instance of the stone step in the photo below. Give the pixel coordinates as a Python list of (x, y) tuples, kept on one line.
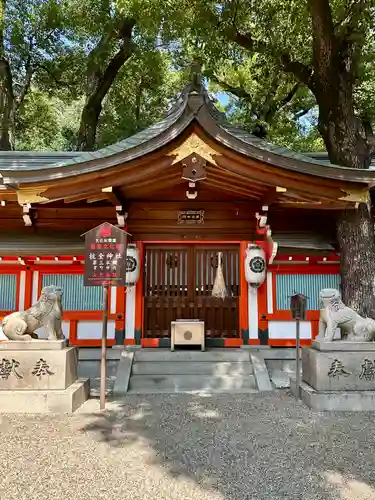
[(233, 368), (192, 391), (188, 383), (214, 355)]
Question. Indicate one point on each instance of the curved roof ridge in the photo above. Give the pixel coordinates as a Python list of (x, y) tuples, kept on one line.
[(129, 142), (194, 102), (263, 144), (170, 117)]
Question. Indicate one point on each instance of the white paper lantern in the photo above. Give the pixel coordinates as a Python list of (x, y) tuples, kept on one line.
[(132, 265), (255, 265)]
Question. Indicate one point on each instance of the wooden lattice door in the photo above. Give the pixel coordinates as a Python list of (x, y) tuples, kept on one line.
[(178, 285)]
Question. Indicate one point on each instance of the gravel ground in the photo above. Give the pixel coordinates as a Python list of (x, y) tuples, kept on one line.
[(185, 447)]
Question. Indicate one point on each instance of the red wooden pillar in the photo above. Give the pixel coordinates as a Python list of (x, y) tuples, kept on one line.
[(120, 311), (138, 323), (244, 297)]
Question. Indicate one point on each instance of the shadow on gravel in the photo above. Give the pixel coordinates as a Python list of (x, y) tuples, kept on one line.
[(249, 446)]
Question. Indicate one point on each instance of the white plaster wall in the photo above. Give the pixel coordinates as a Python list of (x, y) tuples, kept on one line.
[(253, 312), (287, 330), (113, 300), (87, 330), (2, 336), (21, 297), (269, 293), (130, 313), (34, 294)]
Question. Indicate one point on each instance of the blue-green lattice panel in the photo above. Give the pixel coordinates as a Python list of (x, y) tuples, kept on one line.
[(8, 291), (76, 297), (308, 284)]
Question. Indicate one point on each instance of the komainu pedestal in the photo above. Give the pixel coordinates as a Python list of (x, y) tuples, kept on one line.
[(339, 376), (40, 376)]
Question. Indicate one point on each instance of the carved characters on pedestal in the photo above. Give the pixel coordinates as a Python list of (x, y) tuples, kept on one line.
[(41, 369), (9, 367), (368, 370), (12, 367), (337, 368)]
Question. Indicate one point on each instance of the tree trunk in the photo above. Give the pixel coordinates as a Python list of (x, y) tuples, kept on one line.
[(6, 106), (347, 145), (355, 233), (343, 132), (347, 142), (6, 89), (331, 76), (89, 122), (99, 82)]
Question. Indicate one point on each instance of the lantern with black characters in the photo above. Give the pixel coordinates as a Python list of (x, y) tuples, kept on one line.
[(255, 265), (132, 265)]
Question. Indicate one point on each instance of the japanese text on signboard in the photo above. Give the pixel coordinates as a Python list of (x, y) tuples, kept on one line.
[(105, 255)]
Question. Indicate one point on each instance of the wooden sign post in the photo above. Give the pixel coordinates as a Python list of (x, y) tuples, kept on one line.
[(298, 305), (105, 265)]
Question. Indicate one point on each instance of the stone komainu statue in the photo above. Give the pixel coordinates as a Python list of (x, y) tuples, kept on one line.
[(335, 314), (46, 312)]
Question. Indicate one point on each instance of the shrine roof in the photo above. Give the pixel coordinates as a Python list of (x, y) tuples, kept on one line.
[(193, 105), (322, 157), (32, 160)]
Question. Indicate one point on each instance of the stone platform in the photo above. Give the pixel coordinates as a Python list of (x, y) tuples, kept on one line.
[(40, 376), (343, 346), (52, 401), (339, 376), (33, 345), (337, 400)]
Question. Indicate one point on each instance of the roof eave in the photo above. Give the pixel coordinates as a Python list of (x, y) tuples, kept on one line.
[(192, 104), (336, 172), (97, 165)]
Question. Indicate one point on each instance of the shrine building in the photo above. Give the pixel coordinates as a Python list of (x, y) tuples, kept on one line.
[(196, 194)]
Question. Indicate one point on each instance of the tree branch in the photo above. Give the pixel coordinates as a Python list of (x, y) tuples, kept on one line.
[(62, 83), (26, 86), (30, 70), (351, 22), (6, 105), (246, 41), (290, 95), (302, 112), (351, 36), (301, 71), (99, 82), (3, 5), (117, 61), (269, 106), (239, 92), (278, 105)]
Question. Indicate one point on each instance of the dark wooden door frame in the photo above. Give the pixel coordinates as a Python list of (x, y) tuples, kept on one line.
[(190, 300)]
